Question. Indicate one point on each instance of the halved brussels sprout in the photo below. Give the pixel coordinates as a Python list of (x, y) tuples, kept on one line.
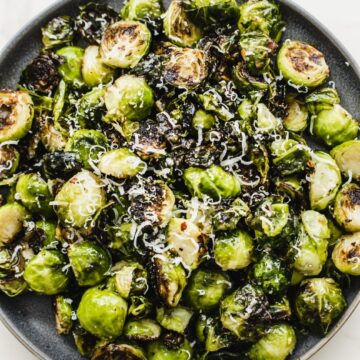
[(234, 251), (102, 313), (12, 217), (158, 350), (319, 303), (280, 309), (139, 306), (170, 279), (142, 330), (89, 261), (94, 72), (59, 31), (16, 114), (63, 314), (178, 27), (119, 351), (322, 99), (34, 193), (266, 121), (175, 319), (302, 64), (245, 81), (297, 116), (203, 120), (13, 286), (125, 43), (61, 164), (347, 207), (129, 98), (52, 138), (142, 10), (335, 126), (277, 344), (325, 180), (80, 199), (46, 273), (206, 288), (347, 156), (291, 186), (9, 161), (47, 230), (121, 163), (185, 68)]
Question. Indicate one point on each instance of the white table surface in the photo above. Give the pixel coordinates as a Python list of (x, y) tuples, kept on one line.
[(342, 17)]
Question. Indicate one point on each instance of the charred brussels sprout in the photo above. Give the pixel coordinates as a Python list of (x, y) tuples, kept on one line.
[(347, 207), (125, 43), (90, 262), (178, 27), (234, 251), (319, 303), (130, 98), (142, 10), (206, 288), (121, 163), (52, 138), (118, 351), (159, 351), (102, 313), (9, 161), (297, 116), (142, 330), (34, 194), (139, 306), (325, 180), (302, 65), (59, 31), (16, 114), (63, 314), (80, 199), (277, 344), (61, 164), (175, 319), (347, 156), (245, 81), (46, 273)]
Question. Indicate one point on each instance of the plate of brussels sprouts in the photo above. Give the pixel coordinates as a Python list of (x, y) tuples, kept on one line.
[(178, 180)]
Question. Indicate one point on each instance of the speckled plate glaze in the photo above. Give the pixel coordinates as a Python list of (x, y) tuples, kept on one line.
[(30, 317)]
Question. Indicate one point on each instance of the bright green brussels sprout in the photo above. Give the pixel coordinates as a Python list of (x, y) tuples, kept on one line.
[(59, 31), (94, 72), (16, 114), (34, 193), (125, 43), (175, 319), (12, 217), (301, 64), (325, 180), (130, 98), (335, 126), (206, 288), (139, 306), (234, 251), (142, 330), (9, 161), (121, 163), (119, 351), (48, 232), (80, 199), (102, 313), (244, 311), (63, 314), (90, 262), (271, 275), (187, 240), (141, 10), (347, 156), (71, 69), (245, 81), (159, 351), (347, 207), (46, 273), (212, 101), (322, 99), (277, 344), (266, 121), (89, 145), (346, 254), (319, 303), (177, 26), (297, 116), (170, 279), (203, 120)]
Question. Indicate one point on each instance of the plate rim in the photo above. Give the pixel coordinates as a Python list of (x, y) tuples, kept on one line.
[(11, 44)]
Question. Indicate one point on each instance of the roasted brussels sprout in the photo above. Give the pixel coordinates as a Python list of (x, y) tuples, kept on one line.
[(139, 306), (245, 81), (47, 273), (80, 199), (142, 330), (302, 65), (125, 43), (346, 156), (159, 351), (118, 351), (121, 163), (297, 116), (34, 193), (13, 286), (9, 161), (16, 114), (178, 27), (47, 230), (325, 180), (206, 288), (203, 120), (322, 99), (61, 164), (277, 344), (130, 98), (63, 314), (266, 121), (102, 313), (347, 207), (319, 303), (89, 261), (147, 10), (175, 319), (234, 251), (59, 31), (52, 138)]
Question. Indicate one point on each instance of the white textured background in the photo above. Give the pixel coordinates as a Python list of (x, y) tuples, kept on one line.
[(342, 17)]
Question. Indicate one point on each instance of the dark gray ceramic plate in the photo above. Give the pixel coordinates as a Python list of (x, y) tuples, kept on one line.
[(30, 317)]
